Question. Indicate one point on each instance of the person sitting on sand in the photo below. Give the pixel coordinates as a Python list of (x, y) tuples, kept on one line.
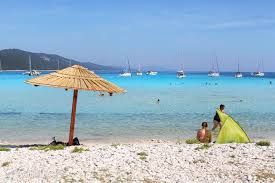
[(204, 135), (217, 120)]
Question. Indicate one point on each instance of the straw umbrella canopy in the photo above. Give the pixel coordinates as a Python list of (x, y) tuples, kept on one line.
[(75, 78)]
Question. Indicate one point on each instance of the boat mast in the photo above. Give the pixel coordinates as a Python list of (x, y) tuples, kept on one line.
[(213, 66), (212, 70), (183, 61), (259, 65), (30, 63), (129, 68), (58, 64), (218, 70), (238, 65), (263, 64)]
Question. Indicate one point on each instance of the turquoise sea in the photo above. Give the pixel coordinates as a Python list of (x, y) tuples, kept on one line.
[(35, 114)]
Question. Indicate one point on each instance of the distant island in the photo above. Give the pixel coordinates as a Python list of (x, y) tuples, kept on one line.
[(16, 59)]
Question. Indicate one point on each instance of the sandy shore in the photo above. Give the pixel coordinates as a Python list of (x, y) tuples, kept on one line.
[(141, 162)]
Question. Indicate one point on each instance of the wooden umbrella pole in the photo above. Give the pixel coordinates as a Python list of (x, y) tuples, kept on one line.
[(71, 135)]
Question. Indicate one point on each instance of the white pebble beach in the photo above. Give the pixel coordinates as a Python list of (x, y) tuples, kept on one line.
[(141, 162)]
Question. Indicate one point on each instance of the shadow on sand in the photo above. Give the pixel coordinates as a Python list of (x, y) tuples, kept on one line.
[(53, 143), (21, 146)]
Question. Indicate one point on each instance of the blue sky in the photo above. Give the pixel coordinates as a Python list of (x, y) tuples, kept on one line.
[(151, 32)]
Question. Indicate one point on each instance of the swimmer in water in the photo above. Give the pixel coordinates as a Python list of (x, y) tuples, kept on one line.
[(158, 101)]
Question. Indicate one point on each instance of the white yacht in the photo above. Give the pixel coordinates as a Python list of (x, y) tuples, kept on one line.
[(180, 73), (151, 73), (213, 74), (34, 73), (126, 72), (238, 74), (139, 72), (215, 71), (31, 72), (260, 73)]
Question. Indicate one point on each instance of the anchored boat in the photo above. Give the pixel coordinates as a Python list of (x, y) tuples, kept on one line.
[(31, 72), (152, 73), (180, 73), (238, 74), (260, 73), (126, 72), (139, 72)]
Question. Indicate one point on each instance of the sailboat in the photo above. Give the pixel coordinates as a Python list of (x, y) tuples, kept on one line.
[(127, 72), (139, 72), (259, 73), (180, 73), (238, 74), (151, 73), (31, 72), (215, 71)]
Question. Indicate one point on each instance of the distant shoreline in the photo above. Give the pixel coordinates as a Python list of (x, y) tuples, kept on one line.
[(46, 70), (117, 70)]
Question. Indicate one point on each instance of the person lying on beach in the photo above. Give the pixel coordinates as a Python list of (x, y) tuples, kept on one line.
[(217, 120), (204, 135)]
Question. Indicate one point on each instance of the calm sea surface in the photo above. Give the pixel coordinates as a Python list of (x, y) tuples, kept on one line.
[(36, 114)]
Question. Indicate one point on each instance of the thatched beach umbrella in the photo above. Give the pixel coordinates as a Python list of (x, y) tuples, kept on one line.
[(75, 78)]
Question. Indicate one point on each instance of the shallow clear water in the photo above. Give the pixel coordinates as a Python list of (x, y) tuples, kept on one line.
[(36, 114)]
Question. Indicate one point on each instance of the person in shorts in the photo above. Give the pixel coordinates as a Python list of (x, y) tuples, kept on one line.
[(217, 120)]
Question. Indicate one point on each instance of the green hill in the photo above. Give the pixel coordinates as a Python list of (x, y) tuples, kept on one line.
[(15, 59)]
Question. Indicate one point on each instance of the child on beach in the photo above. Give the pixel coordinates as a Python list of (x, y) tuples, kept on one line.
[(204, 135), (217, 120)]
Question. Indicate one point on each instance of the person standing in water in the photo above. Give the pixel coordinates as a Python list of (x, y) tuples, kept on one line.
[(217, 120), (204, 135)]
